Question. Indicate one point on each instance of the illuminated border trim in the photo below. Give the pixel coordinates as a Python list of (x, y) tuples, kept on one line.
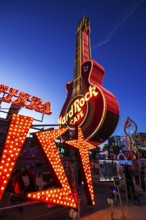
[(104, 105)]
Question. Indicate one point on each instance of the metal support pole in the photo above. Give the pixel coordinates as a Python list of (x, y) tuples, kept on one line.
[(121, 203), (112, 210), (139, 161), (131, 150), (126, 190)]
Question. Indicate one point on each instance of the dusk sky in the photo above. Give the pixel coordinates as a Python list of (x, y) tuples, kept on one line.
[(37, 47)]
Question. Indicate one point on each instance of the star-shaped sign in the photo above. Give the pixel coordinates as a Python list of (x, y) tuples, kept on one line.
[(83, 147), (63, 194), (19, 126)]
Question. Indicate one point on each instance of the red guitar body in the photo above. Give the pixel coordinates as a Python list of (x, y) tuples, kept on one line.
[(100, 114)]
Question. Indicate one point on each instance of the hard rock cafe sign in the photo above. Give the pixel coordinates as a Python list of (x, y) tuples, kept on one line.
[(77, 111), (88, 105)]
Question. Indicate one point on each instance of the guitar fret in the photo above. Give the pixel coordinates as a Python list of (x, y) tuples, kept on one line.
[(85, 52), (82, 52)]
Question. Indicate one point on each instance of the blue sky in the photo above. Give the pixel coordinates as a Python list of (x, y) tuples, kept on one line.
[(37, 46)]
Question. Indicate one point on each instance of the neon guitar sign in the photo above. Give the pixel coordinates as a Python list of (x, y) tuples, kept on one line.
[(88, 104)]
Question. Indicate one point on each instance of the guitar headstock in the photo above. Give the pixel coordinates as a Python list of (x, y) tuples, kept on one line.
[(84, 24)]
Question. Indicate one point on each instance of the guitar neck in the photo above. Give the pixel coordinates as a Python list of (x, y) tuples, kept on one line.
[(83, 51)]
